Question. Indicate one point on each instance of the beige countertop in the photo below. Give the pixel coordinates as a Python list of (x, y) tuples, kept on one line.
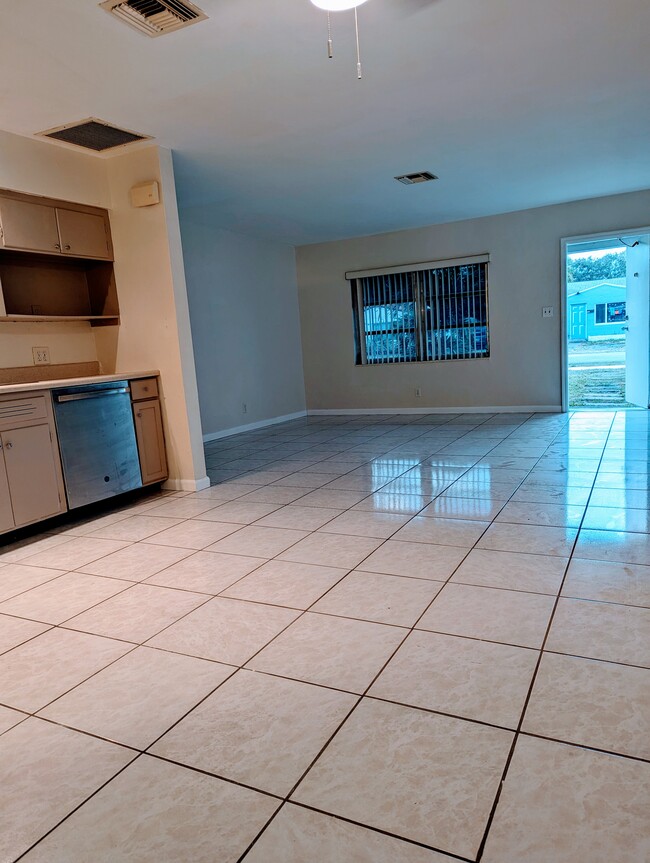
[(74, 382)]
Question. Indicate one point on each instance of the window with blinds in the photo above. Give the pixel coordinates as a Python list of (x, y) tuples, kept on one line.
[(421, 315)]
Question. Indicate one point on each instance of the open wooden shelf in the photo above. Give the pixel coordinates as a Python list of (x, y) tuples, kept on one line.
[(54, 318), (37, 288)]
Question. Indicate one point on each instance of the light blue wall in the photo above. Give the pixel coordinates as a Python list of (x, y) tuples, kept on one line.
[(243, 303), (591, 298)]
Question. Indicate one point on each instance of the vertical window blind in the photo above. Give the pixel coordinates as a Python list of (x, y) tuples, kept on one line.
[(434, 312)]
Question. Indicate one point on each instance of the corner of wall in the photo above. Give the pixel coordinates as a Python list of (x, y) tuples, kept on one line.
[(154, 332)]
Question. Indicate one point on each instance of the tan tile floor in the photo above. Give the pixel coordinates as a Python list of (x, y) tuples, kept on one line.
[(385, 639)]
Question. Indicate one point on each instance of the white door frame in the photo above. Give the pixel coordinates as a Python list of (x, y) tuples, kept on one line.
[(564, 243)]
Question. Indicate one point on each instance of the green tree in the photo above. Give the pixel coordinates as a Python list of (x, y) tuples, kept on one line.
[(610, 266)]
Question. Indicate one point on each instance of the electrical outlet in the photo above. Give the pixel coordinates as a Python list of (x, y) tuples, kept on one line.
[(418, 393), (41, 356), (547, 312), (244, 408)]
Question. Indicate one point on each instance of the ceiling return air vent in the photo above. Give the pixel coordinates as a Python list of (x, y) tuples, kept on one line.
[(419, 177), (93, 134), (155, 17)]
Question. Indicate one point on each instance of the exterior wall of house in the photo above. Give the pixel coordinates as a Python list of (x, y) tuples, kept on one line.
[(590, 298)]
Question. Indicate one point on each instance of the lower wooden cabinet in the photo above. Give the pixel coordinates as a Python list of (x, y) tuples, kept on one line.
[(6, 512), (151, 440), (31, 481), (31, 475)]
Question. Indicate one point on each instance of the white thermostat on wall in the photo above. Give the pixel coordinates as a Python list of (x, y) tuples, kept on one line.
[(145, 194)]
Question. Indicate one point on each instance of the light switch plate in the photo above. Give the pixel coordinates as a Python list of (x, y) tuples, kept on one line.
[(41, 356), (547, 312)]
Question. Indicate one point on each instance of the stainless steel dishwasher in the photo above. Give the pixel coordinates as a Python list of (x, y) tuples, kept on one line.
[(97, 441)]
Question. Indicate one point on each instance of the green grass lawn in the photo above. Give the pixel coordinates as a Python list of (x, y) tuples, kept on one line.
[(597, 387)]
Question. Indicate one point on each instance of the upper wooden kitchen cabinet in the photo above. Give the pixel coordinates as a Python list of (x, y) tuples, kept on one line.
[(30, 224), (83, 235), (31, 481), (56, 261)]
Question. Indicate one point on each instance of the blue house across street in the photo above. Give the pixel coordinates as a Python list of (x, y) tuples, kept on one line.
[(596, 310)]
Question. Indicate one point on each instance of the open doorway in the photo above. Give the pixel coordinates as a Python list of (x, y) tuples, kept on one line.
[(607, 321)]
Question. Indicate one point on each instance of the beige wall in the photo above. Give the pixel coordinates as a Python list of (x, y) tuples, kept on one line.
[(68, 343), (154, 331), (245, 323), (43, 169), (525, 364)]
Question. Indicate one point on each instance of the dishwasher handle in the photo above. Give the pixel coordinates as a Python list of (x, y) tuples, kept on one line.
[(91, 394)]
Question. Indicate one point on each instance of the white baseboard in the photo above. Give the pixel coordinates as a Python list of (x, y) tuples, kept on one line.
[(252, 426), (502, 409), (187, 484)]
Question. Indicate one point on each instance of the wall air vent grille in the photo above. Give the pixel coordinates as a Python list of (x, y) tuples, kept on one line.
[(94, 135), (155, 17), (419, 177)]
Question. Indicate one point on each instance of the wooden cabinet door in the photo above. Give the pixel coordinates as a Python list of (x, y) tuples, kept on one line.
[(151, 441), (28, 226), (32, 470), (83, 234), (6, 512)]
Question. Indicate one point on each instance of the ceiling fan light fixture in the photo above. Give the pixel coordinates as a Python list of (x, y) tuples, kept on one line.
[(337, 5)]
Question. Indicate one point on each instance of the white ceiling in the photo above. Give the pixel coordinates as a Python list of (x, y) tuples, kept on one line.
[(513, 103)]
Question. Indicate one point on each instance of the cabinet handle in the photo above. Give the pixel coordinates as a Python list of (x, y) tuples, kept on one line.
[(57, 245), (139, 415), (67, 247), (9, 445)]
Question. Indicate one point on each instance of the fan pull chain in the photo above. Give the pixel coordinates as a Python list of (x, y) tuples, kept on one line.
[(330, 44), (356, 30)]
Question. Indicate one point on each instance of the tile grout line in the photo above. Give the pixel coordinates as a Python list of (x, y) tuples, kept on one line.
[(356, 705), (76, 808), (518, 730), (348, 509), (167, 731)]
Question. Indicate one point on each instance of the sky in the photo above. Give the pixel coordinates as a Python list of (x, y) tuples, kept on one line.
[(599, 254)]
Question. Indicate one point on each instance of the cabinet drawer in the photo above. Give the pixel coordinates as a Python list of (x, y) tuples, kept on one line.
[(144, 389), (16, 411)]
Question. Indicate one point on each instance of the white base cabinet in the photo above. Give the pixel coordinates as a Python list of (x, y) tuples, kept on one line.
[(31, 477), (31, 482)]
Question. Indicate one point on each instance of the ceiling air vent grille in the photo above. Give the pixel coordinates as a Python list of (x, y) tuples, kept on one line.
[(93, 134), (155, 17), (419, 177)]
